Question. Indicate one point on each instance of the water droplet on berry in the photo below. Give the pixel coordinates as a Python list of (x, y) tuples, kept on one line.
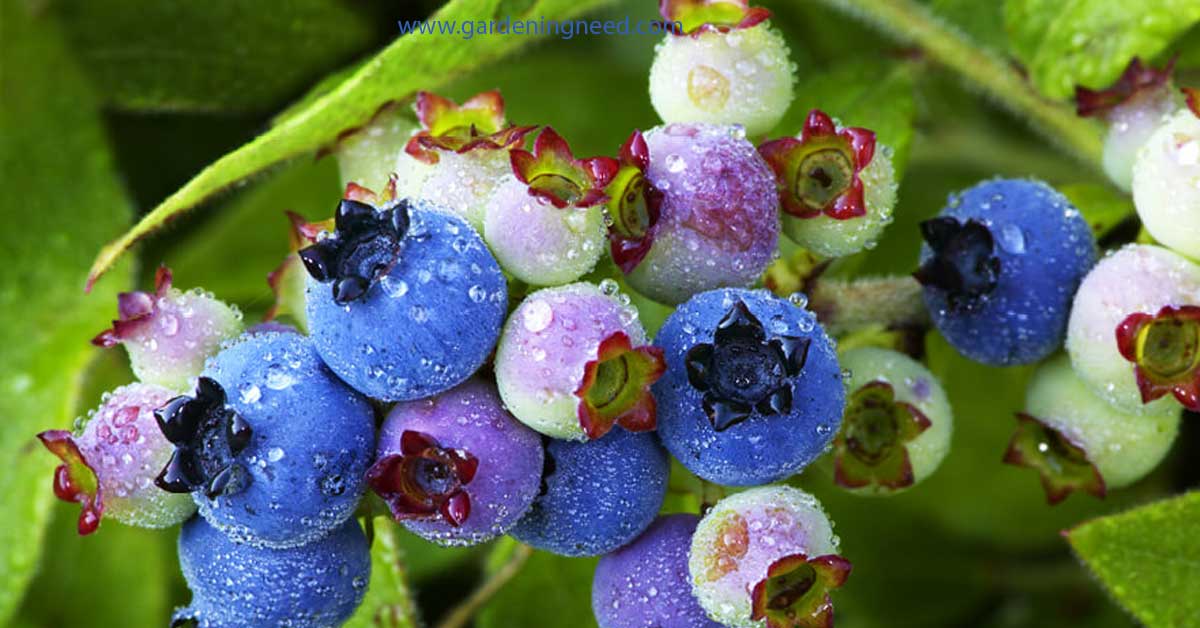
[(249, 393), (537, 316)]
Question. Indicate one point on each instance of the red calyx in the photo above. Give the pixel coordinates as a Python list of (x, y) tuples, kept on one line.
[(695, 17), (795, 593), (554, 174), (1064, 466), (1137, 78), (820, 173), (425, 479), (134, 309), (616, 387), (75, 480), (477, 124), (634, 205), (1165, 351)]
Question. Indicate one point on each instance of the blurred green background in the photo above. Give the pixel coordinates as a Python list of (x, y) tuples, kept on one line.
[(109, 106)]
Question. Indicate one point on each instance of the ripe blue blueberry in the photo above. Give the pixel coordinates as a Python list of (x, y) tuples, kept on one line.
[(233, 585), (1000, 266), (272, 446), (646, 583), (753, 391), (457, 468), (403, 302), (597, 495)]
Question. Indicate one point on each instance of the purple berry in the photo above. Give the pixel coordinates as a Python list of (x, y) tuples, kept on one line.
[(457, 469), (168, 333), (646, 583), (573, 361), (718, 217), (109, 468)]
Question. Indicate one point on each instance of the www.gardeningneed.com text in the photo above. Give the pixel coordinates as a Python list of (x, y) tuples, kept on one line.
[(566, 29)]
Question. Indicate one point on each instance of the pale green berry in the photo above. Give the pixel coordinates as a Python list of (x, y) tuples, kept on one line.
[(1166, 183), (830, 237)]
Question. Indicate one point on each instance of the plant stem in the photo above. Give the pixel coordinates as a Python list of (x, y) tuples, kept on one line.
[(892, 302), (914, 23), (462, 614)]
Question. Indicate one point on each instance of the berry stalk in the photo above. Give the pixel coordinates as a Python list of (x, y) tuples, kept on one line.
[(913, 23), (847, 305)]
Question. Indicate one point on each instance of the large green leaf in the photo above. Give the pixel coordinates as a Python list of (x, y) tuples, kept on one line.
[(210, 56), (1064, 43), (413, 62), (1148, 558), (61, 199)]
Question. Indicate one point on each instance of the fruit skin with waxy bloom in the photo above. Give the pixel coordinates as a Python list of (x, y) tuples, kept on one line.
[(1137, 279), (917, 396), (1166, 176), (646, 584), (718, 223), (545, 221), (744, 536), (298, 473), (728, 67), (434, 286), (169, 333), (233, 585), (573, 363), (753, 390), (466, 422), (109, 467), (837, 186), (596, 495), (1108, 448), (1000, 266)]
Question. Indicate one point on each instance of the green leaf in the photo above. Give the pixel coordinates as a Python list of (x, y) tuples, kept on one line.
[(61, 199), (411, 63), (388, 603), (1148, 558), (1101, 205), (549, 592), (977, 19), (1064, 43), (233, 55), (866, 93), (90, 581)]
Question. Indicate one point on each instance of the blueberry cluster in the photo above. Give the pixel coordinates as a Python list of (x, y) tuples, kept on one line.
[(467, 362)]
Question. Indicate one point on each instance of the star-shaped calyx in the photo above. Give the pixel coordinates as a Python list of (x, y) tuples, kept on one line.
[(554, 174), (425, 479), (365, 244), (616, 387), (821, 172), (208, 435), (743, 371), (74, 480), (135, 310), (963, 264), (871, 448), (1063, 465), (477, 124), (1165, 351), (634, 205), (1136, 81), (795, 593), (696, 17)]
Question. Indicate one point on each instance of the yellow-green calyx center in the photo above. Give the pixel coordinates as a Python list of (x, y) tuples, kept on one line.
[(557, 186), (784, 590), (1169, 347), (610, 392), (822, 176), (874, 430), (631, 216)]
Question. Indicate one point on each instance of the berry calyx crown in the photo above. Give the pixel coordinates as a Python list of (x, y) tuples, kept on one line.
[(615, 389), (1165, 351), (634, 205), (743, 371), (425, 479), (820, 173), (135, 310), (1063, 465), (208, 436), (963, 264), (871, 448), (74, 479), (477, 124), (365, 244), (554, 174), (795, 592), (702, 16), (1137, 79)]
